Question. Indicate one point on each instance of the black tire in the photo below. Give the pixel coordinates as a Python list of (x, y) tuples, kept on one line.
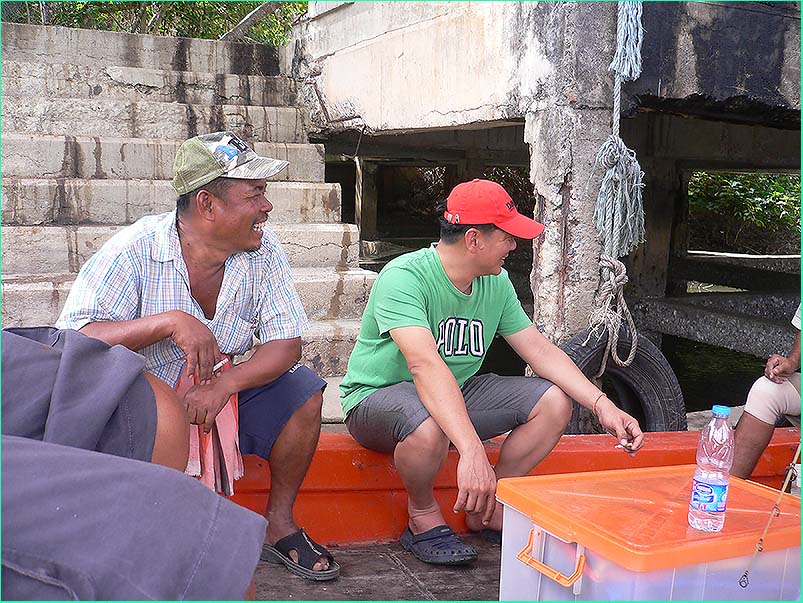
[(647, 389)]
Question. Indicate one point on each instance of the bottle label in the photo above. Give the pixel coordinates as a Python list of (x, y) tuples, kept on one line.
[(709, 497)]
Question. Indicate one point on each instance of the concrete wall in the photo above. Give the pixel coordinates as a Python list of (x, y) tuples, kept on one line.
[(386, 68)]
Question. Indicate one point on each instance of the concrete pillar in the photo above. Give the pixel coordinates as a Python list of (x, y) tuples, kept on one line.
[(563, 145), (366, 199)]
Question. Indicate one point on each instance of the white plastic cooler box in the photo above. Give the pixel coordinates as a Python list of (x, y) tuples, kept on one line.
[(623, 535)]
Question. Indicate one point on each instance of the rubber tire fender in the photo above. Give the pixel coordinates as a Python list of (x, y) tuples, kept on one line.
[(647, 389)]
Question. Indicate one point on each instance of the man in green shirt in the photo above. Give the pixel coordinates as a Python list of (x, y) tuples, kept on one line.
[(411, 387)]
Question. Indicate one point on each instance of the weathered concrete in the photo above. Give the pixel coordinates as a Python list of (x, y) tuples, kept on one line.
[(33, 43), (135, 84), (32, 156), (325, 293), (692, 52), (696, 60), (146, 119), (59, 249), (35, 201), (761, 337), (776, 305), (328, 344)]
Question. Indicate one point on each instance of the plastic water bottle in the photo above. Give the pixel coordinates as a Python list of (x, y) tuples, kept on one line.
[(709, 491)]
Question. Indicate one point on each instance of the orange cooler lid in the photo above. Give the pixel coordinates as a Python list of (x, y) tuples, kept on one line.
[(637, 518)]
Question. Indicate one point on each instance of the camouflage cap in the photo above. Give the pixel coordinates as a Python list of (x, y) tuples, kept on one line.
[(201, 159)]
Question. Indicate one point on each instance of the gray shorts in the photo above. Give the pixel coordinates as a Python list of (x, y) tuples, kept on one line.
[(495, 405)]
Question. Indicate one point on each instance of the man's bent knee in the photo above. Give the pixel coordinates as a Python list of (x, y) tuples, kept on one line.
[(172, 444), (428, 438), (310, 411), (557, 404)]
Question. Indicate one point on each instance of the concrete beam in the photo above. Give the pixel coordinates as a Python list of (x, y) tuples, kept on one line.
[(327, 345), (123, 119), (741, 277), (740, 332), (35, 201)]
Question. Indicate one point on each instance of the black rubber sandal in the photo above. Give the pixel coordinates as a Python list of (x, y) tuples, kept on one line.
[(440, 546), (309, 553)]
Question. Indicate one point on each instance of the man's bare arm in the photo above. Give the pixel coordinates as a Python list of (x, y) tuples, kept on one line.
[(550, 362), (441, 396), (190, 334)]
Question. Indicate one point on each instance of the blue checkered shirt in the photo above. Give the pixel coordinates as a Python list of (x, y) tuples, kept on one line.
[(140, 271)]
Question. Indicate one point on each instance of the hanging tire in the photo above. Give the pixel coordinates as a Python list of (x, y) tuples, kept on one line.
[(647, 389)]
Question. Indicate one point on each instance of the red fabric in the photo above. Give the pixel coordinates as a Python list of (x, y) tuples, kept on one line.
[(215, 457)]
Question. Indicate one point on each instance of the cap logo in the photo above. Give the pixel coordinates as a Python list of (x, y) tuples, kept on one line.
[(510, 206), (230, 152), (452, 218)]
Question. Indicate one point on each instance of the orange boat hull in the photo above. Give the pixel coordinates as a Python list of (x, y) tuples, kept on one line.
[(353, 495)]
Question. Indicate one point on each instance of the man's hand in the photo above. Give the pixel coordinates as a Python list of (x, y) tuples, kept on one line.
[(204, 401), (197, 342), (620, 425), (778, 368), (476, 485)]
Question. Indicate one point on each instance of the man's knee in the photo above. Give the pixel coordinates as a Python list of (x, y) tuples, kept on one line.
[(428, 438), (310, 410), (555, 403), (766, 400)]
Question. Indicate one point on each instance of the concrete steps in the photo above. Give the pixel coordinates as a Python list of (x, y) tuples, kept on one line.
[(37, 299), (135, 84), (91, 123), (59, 249), (148, 119), (34, 201), (32, 43), (36, 156)]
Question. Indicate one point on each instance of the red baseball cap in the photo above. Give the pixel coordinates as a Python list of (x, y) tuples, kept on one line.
[(485, 202)]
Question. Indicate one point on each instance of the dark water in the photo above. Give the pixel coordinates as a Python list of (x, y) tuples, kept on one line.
[(707, 374), (711, 375)]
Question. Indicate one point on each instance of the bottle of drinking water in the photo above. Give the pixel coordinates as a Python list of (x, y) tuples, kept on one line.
[(709, 491)]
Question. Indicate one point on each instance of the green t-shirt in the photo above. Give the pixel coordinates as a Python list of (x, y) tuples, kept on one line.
[(413, 290)]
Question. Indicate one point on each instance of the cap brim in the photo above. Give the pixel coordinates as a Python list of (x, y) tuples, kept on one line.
[(522, 227), (257, 168)]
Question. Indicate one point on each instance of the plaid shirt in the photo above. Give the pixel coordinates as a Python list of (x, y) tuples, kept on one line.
[(140, 271)]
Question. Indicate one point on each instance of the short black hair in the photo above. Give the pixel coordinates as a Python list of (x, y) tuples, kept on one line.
[(217, 187), (451, 233)]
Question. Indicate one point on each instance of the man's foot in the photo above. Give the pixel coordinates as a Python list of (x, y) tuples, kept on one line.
[(278, 530), (440, 546), (302, 556)]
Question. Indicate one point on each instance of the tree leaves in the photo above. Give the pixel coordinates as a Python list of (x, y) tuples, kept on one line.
[(209, 20)]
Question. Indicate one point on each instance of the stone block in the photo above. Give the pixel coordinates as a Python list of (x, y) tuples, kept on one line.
[(42, 156), (112, 82), (37, 299), (59, 249), (30, 201), (148, 119), (32, 43)]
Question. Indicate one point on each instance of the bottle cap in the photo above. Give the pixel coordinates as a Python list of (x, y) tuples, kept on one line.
[(719, 409)]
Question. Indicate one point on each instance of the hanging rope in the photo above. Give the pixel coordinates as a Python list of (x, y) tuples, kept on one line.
[(618, 213)]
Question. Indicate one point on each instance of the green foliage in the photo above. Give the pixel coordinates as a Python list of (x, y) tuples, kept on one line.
[(769, 201), (744, 213), (208, 20)]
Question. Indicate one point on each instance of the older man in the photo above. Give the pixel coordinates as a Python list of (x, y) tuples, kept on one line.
[(411, 386), (184, 286)]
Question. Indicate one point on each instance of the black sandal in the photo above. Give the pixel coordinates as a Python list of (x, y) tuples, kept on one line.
[(440, 546), (309, 553)]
